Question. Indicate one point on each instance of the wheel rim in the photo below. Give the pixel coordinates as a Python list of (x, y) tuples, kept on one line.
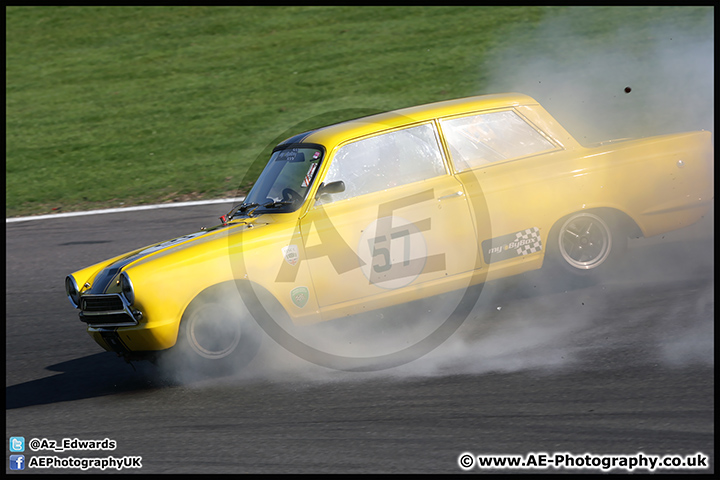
[(585, 241), (212, 332)]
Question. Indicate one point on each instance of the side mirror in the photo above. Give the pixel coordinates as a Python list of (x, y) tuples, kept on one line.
[(332, 187)]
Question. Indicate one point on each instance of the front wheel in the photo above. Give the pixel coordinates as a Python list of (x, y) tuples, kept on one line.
[(215, 338), (211, 331), (586, 243)]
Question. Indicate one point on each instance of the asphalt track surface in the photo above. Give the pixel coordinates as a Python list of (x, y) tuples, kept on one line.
[(620, 368)]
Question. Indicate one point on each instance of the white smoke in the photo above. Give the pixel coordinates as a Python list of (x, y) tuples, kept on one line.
[(670, 74)]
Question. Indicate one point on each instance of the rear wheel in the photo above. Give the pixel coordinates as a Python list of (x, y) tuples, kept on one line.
[(586, 243)]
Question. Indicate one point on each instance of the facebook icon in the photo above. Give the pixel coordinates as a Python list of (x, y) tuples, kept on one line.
[(17, 462)]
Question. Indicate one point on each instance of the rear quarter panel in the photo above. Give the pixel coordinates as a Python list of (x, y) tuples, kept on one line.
[(663, 183), (641, 178)]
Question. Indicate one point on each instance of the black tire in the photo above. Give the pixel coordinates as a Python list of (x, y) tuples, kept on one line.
[(217, 337), (586, 244)]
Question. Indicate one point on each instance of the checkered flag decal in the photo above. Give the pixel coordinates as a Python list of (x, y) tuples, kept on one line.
[(529, 247)]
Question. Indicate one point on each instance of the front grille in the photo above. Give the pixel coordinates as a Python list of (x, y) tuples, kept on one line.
[(109, 320), (108, 310), (101, 303)]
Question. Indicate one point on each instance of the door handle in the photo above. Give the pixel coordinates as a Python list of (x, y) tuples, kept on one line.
[(451, 195)]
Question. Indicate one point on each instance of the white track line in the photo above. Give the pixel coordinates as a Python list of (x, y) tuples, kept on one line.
[(124, 209)]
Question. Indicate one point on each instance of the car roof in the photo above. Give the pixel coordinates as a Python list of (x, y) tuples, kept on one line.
[(341, 132)]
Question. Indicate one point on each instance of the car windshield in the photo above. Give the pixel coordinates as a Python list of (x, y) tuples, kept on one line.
[(285, 181)]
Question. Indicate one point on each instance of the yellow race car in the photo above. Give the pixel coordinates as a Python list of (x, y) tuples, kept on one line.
[(391, 208)]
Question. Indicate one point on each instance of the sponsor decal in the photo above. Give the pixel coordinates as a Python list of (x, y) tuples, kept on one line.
[(288, 155), (300, 296), (291, 254), (309, 176), (512, 245)]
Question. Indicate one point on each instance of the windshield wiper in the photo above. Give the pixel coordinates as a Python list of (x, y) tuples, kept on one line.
[(239, 209), (245, 206)]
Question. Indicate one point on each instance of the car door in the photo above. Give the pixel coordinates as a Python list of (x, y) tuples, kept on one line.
[(400, 230), (488, 151)]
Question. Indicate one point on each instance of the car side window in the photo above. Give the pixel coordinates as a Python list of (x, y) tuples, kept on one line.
[(478, 140), (385, 161)]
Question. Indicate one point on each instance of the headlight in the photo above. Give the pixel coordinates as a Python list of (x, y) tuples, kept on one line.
[(72, 290), (126, 287)]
